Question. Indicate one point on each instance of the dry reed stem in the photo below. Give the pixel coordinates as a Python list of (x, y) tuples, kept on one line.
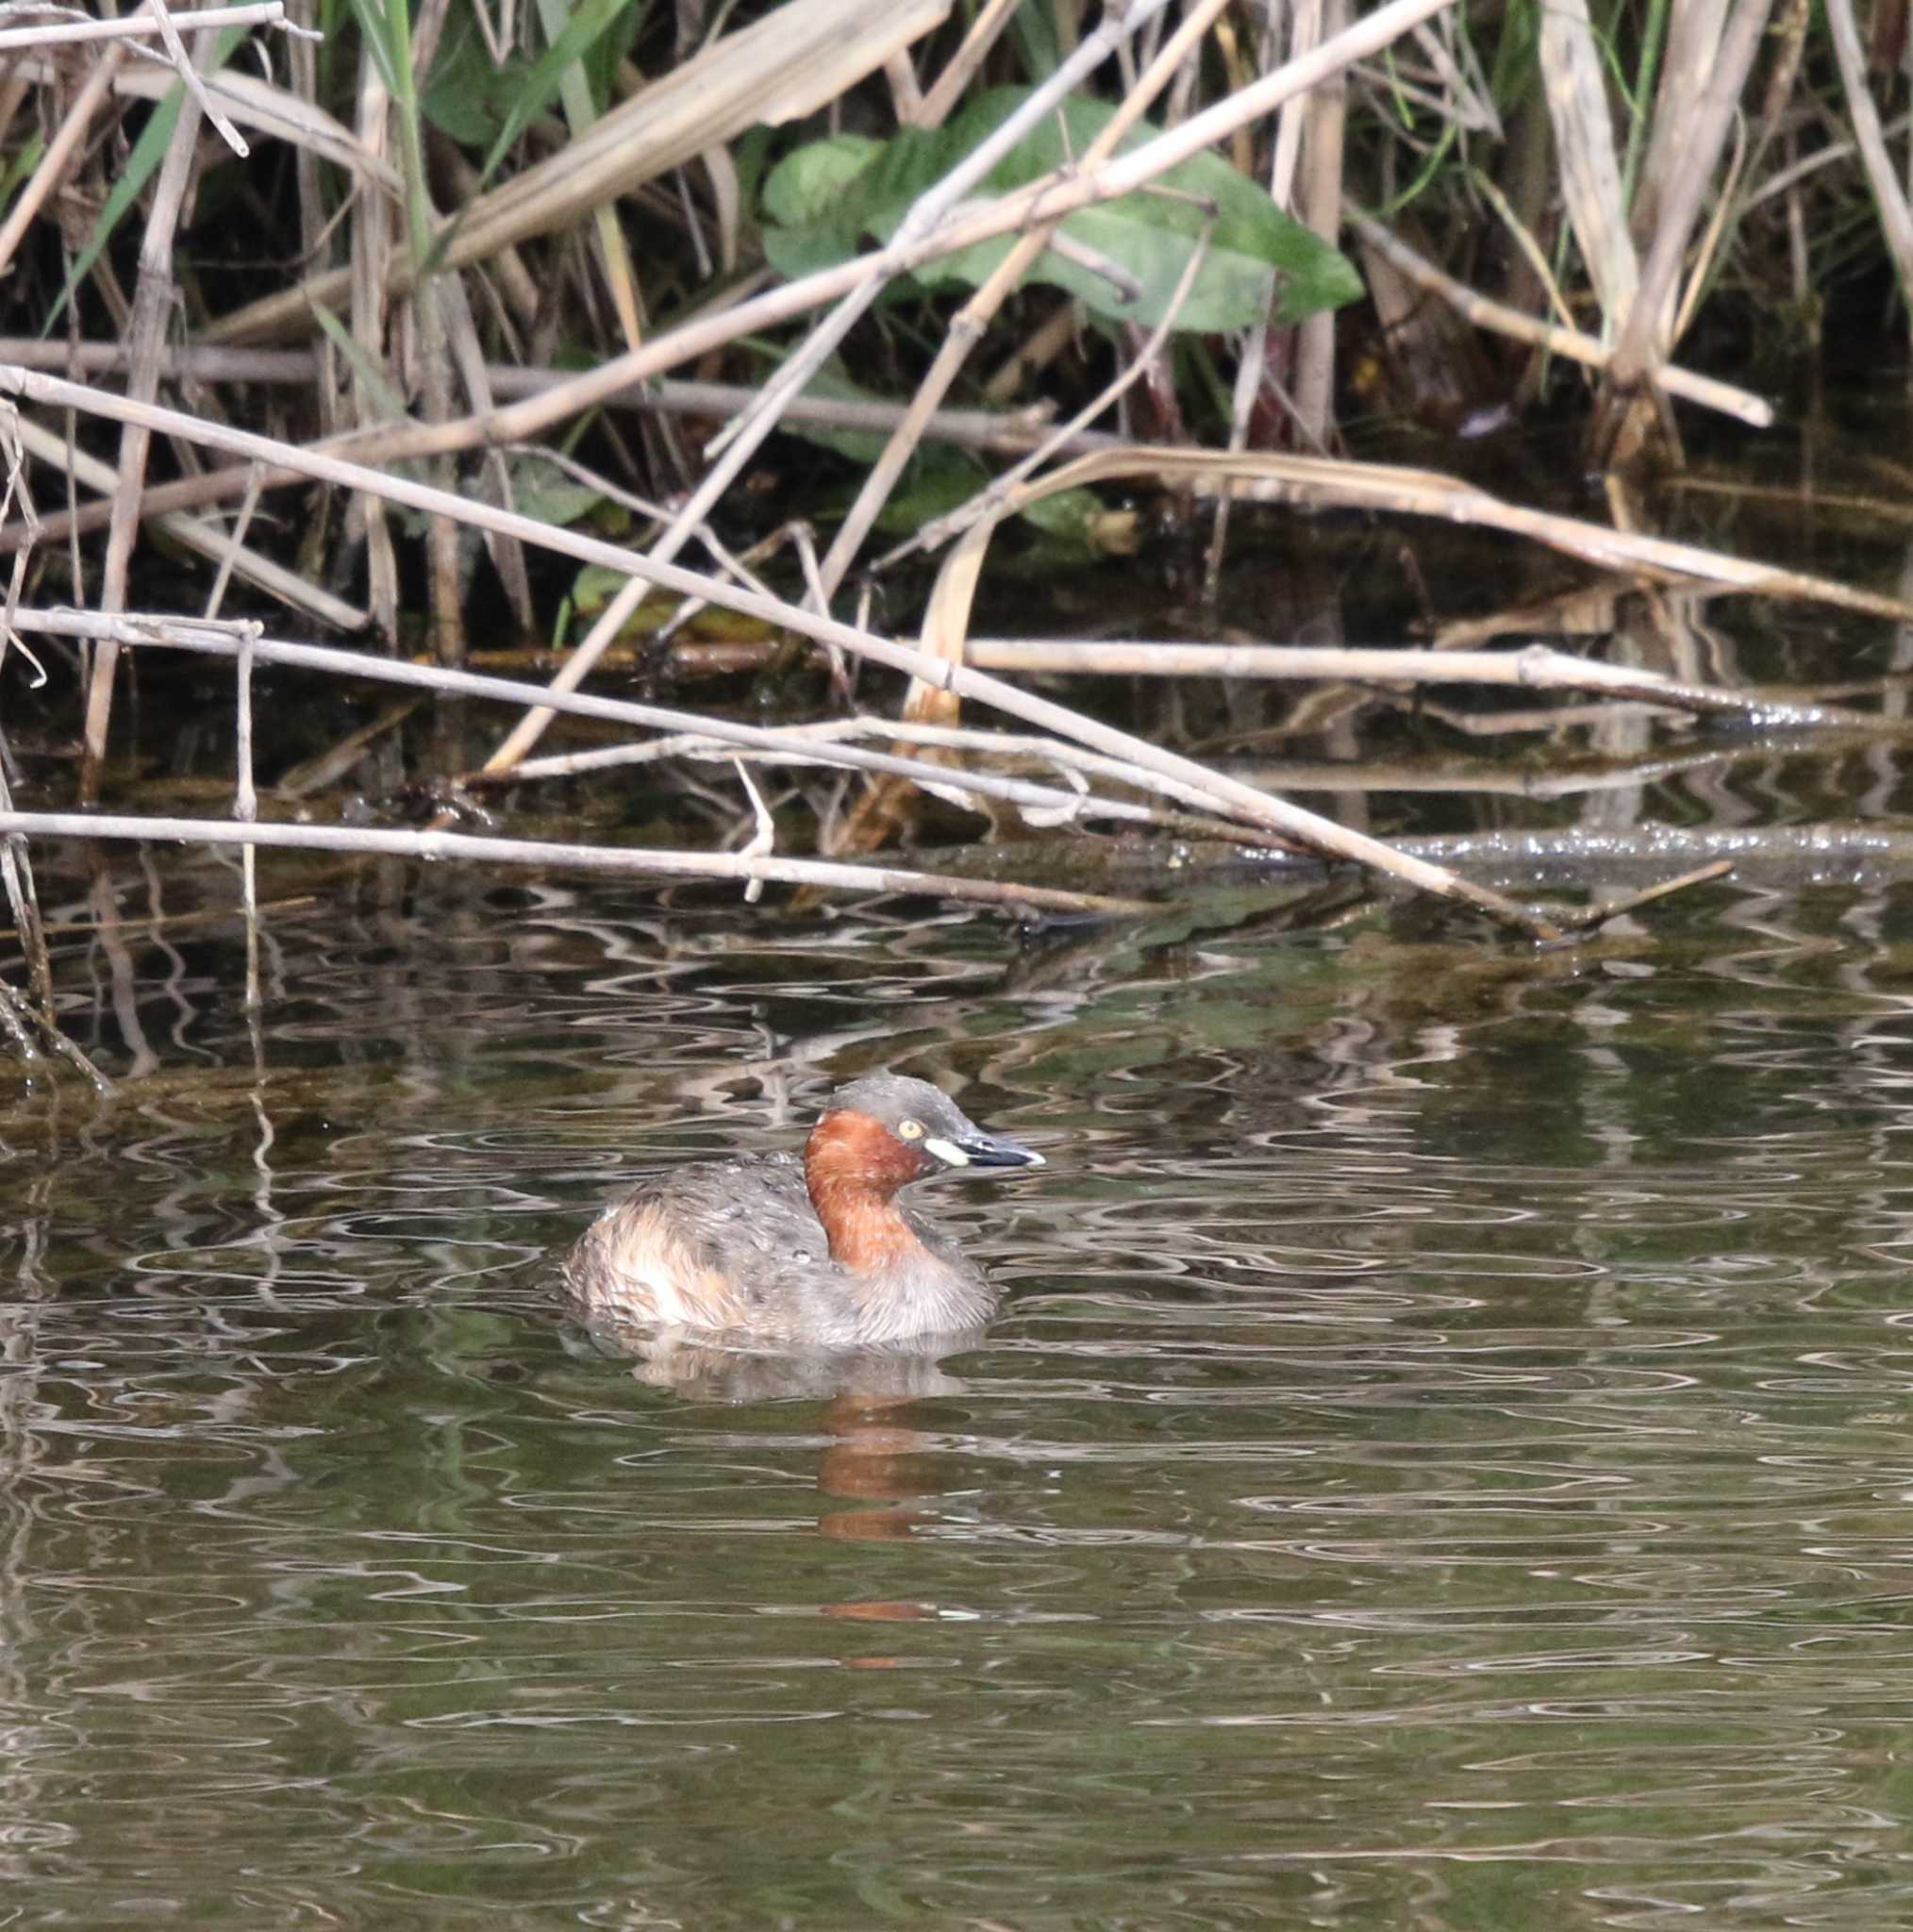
[(371, 247), (1255, 807), (146, 335), (1276, 478), (1327, 483), (547, 855), (1533, 668), (1488, 776), (185, 68), (1274, 815), (1000, 432), (193, 533), (1002, 746), (277, 112), (1575, 81), (747, 430), (984, 33), (1325, 127), (687, 728), (1497, 317), (139, 27), (608, 234), (1251, 364), (1050, 197), (1044, 200), (973, 319), (1647, 329), (946, 619), (793, 61), (1896, 217)]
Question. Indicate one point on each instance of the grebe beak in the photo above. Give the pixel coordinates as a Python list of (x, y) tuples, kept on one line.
[(975, 1148)]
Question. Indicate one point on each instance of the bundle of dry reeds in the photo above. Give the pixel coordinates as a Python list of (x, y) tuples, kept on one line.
[(443, 258)]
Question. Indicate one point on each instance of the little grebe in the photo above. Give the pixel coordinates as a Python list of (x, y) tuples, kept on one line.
[(819, 1252)]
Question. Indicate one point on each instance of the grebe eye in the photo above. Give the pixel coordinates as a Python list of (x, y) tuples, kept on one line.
[(910, 1130)]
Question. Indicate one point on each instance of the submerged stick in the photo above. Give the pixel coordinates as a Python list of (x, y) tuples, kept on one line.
[(1484, 312), (1535, 667), (1005, 431), (1286, 821), (385, 844)]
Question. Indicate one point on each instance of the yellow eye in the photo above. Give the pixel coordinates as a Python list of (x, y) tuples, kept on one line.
[(910, 1130)]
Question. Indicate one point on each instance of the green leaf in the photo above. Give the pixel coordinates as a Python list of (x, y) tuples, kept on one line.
[(466, 96), (809, 184), (806, 196), (365, 367), (937, 480), (857, 445), (1257, 260), (589, 20), (1068, 513), (542, 489)]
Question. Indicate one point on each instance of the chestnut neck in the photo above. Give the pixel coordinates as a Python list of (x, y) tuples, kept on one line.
[(853, 1166)]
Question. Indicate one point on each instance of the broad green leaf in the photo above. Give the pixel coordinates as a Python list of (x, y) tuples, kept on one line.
[(806, 198), (856, 446), (1071, 513), (809, 184), (588, 23), (937, 480), (542, 489), (1257, 258), (466, 96)]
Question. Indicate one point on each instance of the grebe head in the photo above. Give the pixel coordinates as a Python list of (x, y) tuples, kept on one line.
[(883, 1132)]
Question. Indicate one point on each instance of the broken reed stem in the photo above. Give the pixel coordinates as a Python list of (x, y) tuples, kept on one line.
[(970, 322), (183, 65), (997, 490), (139, 27), (746, 431), (1496, 316), (550, 856), (146, 335), (245, 806), (1277, 816), (687, 728), (1534, 667)]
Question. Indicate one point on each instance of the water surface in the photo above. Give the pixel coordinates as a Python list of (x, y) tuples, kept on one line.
[(1443, 1459)]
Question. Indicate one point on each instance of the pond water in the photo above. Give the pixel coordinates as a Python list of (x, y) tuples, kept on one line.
[(1443, 1459)]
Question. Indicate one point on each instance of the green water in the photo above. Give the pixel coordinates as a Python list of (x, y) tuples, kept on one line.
[(1444, 1458)]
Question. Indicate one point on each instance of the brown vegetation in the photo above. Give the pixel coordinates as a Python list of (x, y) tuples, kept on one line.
[(501, 287)]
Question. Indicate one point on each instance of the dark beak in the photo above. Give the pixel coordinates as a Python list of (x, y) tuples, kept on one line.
[(994, 1150)]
